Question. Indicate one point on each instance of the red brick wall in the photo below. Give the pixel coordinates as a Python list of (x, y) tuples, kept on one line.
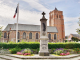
[(12, 36), (57, 22)]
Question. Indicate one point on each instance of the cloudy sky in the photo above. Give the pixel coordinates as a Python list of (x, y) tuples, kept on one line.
[(30, 12)]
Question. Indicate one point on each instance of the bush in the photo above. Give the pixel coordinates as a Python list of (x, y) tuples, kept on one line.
[(36, 45), (75, 39), (77, 50), (58, 51), (65, 40), (14, 50), (26, 51)]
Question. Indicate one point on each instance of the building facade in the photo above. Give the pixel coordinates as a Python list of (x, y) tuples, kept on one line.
[(56, 19), (27, 32)]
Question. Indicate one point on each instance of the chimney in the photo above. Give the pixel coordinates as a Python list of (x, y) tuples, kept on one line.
[(10, 28)]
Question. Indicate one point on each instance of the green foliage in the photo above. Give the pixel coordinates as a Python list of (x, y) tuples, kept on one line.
[(66, 40), (77, 50), (75, 39), (14, 50), (58, 51), (26, 50), (1, 31), (36, 45), (35, 51), (78, 29)]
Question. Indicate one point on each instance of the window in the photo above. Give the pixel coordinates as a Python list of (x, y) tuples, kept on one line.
[(30, 35), (24, 35), (18, 35), (36, 35), (57, 15), (18, 40), (49, 36), (54, 36), (8, 35), (5, 35)]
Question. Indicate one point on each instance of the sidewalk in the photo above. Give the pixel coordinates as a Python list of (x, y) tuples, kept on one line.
[(37, 57)]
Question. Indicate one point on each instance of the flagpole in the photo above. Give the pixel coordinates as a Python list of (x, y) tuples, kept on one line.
[(17, 22)]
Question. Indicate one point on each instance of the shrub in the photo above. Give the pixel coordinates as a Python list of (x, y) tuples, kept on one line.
[(58, 51), (14, 50), (36, 45), (65, 40), (26, 51), (77, 50)]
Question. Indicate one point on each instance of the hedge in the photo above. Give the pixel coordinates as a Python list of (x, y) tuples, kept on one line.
[(35, 45)]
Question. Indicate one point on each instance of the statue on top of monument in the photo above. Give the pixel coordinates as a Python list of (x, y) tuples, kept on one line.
[(44, 27)]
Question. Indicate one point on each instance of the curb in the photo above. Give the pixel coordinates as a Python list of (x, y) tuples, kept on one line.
[(42, 57)]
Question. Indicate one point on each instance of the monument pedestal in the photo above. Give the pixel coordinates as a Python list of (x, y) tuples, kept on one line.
[(43, 37), (43, 53), (44, 47)]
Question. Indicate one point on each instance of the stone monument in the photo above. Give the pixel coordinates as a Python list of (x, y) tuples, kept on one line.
[(43, 37)]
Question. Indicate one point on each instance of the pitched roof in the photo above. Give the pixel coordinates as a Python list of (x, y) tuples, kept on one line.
[(28, 27), (76, 35)]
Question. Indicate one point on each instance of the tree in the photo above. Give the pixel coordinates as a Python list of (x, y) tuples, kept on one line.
[(78, 29), (1, 31), (75, 39)]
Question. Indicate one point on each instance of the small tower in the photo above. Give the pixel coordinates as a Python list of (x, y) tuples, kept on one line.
[(56, 19)]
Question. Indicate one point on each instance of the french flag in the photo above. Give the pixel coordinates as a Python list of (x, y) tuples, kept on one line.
[(15, 12)]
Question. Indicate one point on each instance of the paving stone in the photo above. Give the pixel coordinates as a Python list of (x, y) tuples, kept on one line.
[(2, 59), (35, 57), (8, 57)]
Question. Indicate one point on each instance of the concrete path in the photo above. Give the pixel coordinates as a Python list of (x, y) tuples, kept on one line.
[(37, 57)]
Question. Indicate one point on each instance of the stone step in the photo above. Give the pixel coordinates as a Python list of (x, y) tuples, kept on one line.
[(8, 57), (2, 59), (35, 57)]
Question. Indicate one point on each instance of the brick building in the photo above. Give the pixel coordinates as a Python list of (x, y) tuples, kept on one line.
[(73, 35), (56, 19), (27, 32)]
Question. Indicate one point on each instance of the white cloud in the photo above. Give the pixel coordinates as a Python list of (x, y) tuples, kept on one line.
[(70, 19), (25, 16), (71, 24), (35, 4), (53, 1)]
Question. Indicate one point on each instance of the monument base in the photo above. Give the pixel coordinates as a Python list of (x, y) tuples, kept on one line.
[(43, 53)]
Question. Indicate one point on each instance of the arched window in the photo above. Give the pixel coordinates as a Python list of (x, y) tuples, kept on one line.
[(54, 36), (24, 35), (5, 35), (49, 36), (8, 35), (30, 35), (57, 15), (36, 35), (18, 35)]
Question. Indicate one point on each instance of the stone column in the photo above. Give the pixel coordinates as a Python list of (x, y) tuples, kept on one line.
[(43, 37)]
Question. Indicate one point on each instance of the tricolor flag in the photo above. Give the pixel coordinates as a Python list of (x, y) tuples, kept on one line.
[(15, 12)]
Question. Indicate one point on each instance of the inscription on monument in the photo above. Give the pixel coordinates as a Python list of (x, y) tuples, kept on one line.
[(44, 46)]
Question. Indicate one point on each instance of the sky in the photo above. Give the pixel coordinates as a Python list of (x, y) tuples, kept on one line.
[(30, 12)]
